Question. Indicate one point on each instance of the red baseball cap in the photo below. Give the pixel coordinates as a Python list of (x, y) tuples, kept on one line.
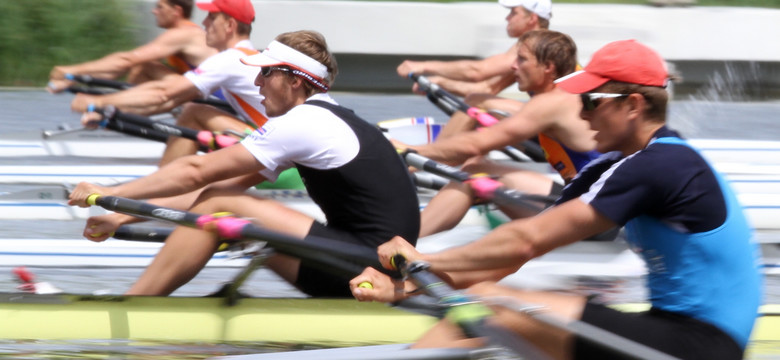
[(241, 10), (625, 61)]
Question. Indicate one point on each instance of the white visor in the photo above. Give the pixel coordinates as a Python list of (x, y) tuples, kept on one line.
[(280, 54)]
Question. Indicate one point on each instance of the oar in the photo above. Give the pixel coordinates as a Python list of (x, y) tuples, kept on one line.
[(484, 186), (450, 103), (469, 314), (428, 180), (138, 233), (206, 138), (626, 348), (484, 118), (93, 81), (330, 255), (121, 85)]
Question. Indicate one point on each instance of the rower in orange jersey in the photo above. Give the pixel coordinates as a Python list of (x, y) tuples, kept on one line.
[(178, 49), (552, 114), (228, 27)]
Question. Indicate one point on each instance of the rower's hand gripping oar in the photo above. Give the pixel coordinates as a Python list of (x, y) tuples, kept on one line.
[(484, 118), (484, 186), (450, 103), (330, 255), (469, 314), (121, 85), (211, 140)]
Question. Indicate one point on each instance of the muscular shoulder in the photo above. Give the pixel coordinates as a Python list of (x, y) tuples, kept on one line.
[(555, 110)]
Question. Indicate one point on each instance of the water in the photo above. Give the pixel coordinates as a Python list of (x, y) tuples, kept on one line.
[(699, 115)]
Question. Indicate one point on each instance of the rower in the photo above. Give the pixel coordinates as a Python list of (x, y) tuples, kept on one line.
[(350, 170), (178, 49), (228, 27), (681, 216), (552, 114)]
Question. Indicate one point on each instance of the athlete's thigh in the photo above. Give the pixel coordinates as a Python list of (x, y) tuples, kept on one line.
[(207, 117), (268, 213)]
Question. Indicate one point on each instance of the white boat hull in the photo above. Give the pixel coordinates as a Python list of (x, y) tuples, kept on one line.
[(98, 143)]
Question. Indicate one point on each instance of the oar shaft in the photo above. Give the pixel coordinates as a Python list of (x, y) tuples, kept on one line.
[(423, 163), (93, 81), (484, 187), (137, 131), (468, 314), (312, 248), (205, 138), (484, 118)]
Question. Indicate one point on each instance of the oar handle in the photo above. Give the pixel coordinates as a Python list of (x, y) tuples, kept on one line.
[(468, 313), (90, 80), (484, 118), (208, 139), (483, 185)]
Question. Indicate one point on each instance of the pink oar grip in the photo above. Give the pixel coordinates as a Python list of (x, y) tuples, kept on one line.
[(224, 141), (484, 187), (482, 117), (206, 138), (230, 227)]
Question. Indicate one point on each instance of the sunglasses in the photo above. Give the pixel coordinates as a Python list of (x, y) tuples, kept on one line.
[(267, 70), (590, 100)]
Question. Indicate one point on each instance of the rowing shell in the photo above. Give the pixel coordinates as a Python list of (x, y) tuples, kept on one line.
[(314, 322), (766, 331)]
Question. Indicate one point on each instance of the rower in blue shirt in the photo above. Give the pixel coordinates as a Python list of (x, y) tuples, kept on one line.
[(681, 216)]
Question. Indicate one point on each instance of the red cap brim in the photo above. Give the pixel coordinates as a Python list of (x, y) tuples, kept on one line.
[(207, 6), (580, 82)]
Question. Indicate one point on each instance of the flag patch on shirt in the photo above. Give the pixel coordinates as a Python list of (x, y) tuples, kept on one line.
[(262, 132)]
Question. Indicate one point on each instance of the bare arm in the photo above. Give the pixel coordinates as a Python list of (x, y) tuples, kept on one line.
[(514, 243), (100, 228), (492, 85), (151, 97), (181, 176), (533, 118), (113, 65), (491, 257), (463, 70)]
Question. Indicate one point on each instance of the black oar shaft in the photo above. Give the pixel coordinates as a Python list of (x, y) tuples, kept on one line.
[(136, 233), (93, 81), (468, 314), (137, 131), (484, 187), (312, 248), (423, 163)]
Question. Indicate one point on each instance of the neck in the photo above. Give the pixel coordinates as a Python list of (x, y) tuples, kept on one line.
[(643, 137), (231, 43), (183, 23)]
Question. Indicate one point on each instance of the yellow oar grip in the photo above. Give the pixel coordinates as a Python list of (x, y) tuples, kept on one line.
[(366, 285), (92, 199), (99, 234)]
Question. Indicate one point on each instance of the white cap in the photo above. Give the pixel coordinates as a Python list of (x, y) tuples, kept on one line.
[(280, 54), (543, 8)]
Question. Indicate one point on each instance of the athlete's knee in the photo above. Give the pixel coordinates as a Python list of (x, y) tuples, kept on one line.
[(190, 116)]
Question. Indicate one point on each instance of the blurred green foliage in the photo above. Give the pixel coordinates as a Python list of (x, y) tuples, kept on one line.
[(35, 35)]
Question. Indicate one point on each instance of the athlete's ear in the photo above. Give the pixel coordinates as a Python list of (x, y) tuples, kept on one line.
[(636, 104), (296, 82)]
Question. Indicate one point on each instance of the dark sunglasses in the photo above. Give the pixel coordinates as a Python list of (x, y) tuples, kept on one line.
[(590, 100), (267, 70)]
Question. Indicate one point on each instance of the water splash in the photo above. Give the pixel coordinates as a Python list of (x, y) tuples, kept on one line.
[(737, 82), (723, 107)]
